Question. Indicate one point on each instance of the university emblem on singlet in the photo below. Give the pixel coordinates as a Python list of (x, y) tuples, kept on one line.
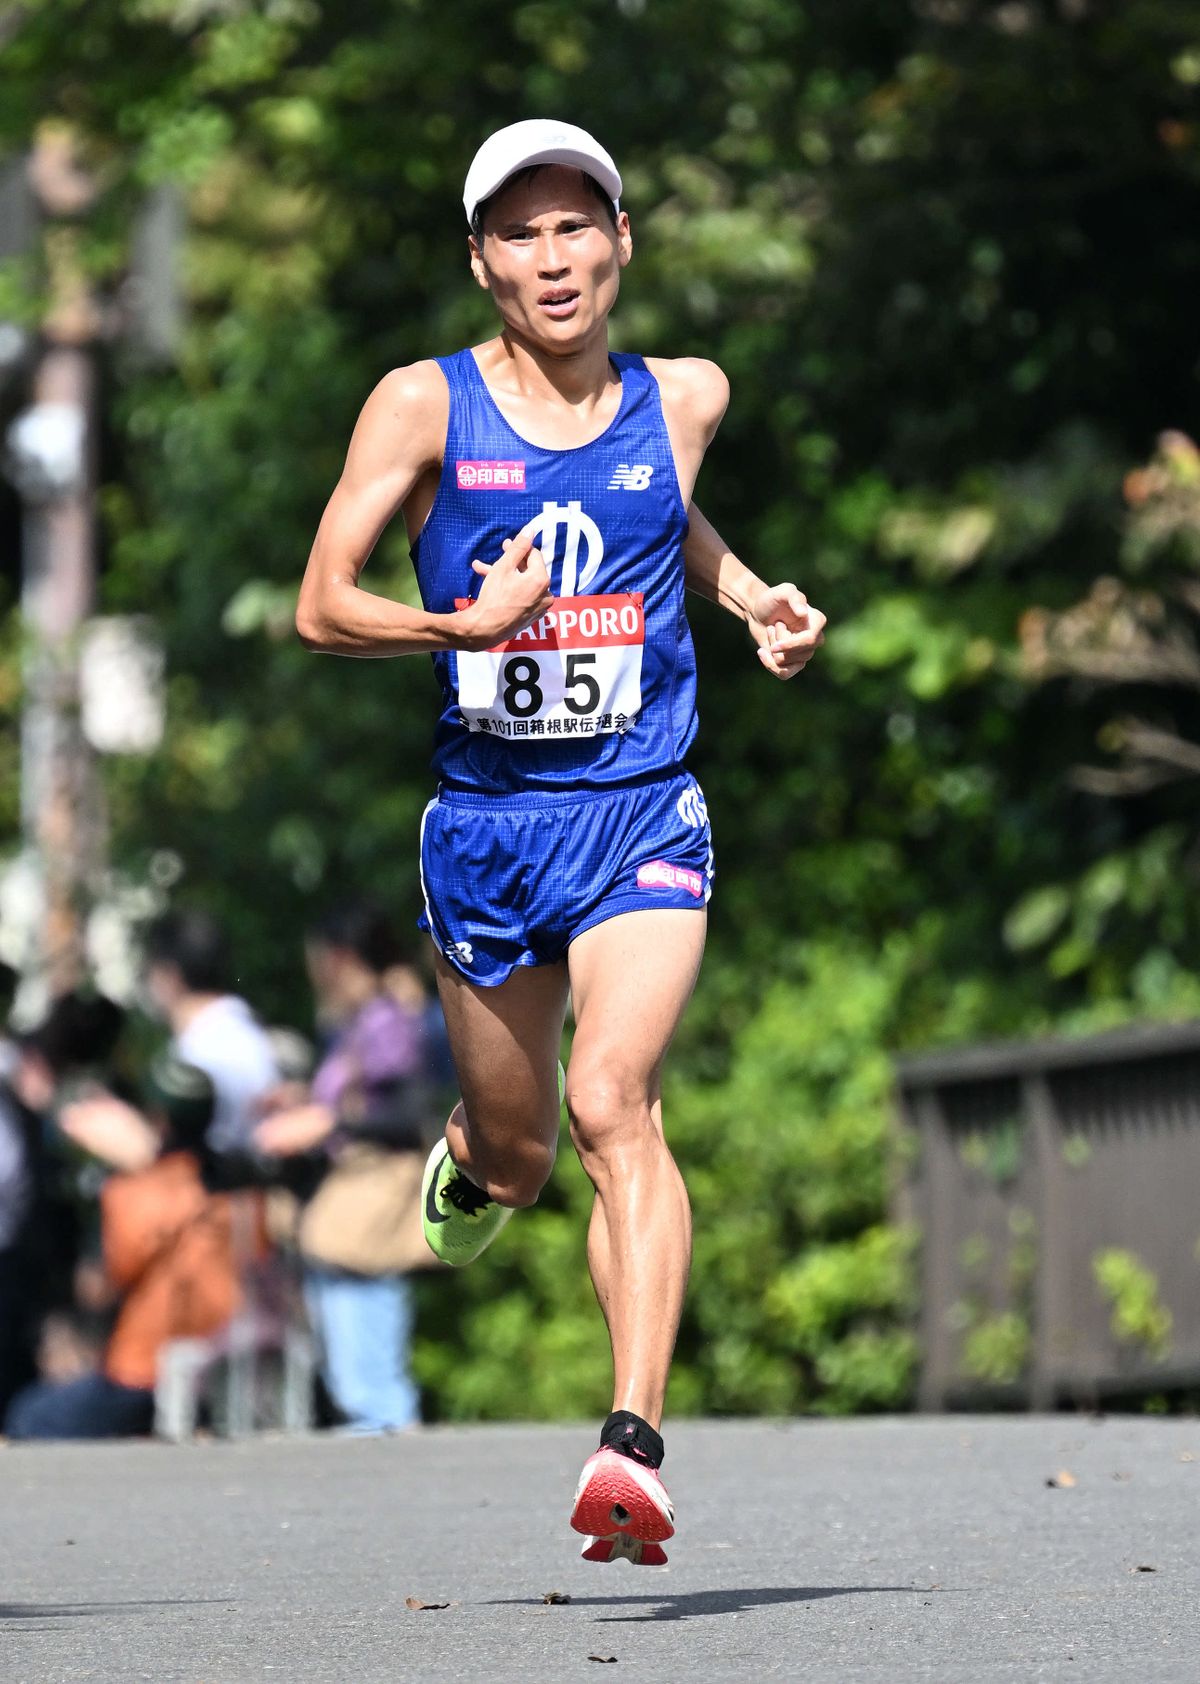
[(575, 672), (576, 528)]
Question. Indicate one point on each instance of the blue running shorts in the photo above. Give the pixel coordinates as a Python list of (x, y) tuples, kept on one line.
[(512, 880)]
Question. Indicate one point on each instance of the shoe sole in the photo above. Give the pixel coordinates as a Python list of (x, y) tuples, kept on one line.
[(623, 1511), (428, 1176), (619, 1548)]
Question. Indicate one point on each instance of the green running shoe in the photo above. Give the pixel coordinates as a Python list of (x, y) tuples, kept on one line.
[(459, 1219)]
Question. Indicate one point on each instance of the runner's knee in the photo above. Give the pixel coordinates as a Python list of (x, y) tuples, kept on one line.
[(608, 1112)]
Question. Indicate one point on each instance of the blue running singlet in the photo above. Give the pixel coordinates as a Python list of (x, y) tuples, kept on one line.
[(601, 692)]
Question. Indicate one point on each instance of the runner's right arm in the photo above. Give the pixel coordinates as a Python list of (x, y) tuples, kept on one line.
[(399, 439)]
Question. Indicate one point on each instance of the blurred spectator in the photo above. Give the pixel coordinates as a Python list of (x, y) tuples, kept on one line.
[(416, 990), (25, 1093), (360, 1233), (168, 1256), (38, 1226), (188, 973), (8, 1046)]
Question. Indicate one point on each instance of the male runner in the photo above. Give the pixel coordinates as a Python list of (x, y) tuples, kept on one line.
[(567, 848)]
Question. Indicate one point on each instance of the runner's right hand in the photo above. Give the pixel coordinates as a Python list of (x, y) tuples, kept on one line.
[(515, 592)]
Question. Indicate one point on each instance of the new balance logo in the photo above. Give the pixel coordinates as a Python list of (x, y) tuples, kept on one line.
[(626, 478)]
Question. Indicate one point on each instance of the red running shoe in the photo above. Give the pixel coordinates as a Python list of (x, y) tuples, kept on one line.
[(623, 1509)]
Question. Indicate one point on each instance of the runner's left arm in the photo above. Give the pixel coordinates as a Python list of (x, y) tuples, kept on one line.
[(784, 625), (785, 628)]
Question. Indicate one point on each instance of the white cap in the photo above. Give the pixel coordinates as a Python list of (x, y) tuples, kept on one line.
[(539, 140)]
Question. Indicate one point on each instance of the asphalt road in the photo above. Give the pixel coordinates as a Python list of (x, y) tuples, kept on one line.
[(887, 1550)]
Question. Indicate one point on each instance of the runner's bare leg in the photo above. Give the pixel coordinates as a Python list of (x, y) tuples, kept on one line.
[(505, 1042), (630, 980)]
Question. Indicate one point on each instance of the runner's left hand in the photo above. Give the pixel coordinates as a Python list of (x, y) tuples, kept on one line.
[(787, 629)]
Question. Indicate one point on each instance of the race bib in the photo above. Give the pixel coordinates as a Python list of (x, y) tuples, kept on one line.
[(577, 672)]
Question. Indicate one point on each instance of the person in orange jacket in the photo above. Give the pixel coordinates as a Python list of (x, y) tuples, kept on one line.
[(168, 1254)]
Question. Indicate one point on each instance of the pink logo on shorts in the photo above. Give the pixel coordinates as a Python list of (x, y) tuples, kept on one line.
[(491, 476), (659, 875)]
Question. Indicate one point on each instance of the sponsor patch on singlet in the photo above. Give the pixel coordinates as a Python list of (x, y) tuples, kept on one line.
[(491, 476), (577, 672)]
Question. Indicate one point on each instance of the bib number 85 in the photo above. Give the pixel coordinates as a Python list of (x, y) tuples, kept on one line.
[(522, 694), (577, 672)]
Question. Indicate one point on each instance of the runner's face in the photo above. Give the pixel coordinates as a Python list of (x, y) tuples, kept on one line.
[(551, 258)]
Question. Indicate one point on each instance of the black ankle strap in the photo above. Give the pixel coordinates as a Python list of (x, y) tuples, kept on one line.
[(628, 1433)]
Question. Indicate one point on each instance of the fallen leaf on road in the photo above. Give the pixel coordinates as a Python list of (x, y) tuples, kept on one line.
[(555, 1596), (415, 1603), (602, 1657), (1063, 1479)]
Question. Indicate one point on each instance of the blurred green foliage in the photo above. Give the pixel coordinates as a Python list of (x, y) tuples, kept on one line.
[(1139, 1317), (947, 253), (997, 1349)]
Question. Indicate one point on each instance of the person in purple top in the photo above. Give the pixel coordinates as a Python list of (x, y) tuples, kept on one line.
[(368, 1089)]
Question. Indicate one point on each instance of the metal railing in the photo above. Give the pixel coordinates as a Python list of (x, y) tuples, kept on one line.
[(1056, 1189)]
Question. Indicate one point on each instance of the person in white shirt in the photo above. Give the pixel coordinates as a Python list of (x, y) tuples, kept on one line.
[(188, 978), (189, 974)]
